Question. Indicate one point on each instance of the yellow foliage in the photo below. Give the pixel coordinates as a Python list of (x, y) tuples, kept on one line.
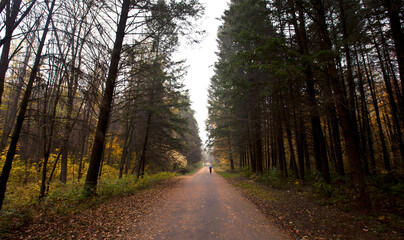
[(109, 172), (178, 159), (384, 172), (114, 152), (20, 172), (21, 196)]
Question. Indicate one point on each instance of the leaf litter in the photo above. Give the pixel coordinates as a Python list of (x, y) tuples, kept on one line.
[(115, 219)]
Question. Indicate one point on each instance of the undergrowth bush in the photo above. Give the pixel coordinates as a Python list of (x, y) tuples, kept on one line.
[(228, 174), (20, 196), (246, 172), (386, 191), (70, 197), (319, 186), (22, 201), (273, 178)]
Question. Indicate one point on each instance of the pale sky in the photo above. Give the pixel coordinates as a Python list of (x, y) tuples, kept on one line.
[(200, 58)]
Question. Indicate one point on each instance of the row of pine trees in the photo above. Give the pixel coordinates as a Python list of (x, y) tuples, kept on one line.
[(305, 86)]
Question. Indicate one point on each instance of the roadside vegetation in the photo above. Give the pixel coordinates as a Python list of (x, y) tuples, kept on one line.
[(316, 209), (22, 206)]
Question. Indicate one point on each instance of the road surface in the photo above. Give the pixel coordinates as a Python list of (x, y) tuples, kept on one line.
[(204, 207)]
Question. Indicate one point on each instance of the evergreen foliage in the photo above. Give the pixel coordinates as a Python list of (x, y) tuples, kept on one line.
[(303, 86)]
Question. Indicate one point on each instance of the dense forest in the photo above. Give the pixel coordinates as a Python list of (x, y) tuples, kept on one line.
[(311, 87), (89, 88)]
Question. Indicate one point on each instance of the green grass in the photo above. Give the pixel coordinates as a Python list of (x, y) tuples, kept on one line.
[(255, 190), (228, 174), (70, 198), (64, 199), (249, 187)]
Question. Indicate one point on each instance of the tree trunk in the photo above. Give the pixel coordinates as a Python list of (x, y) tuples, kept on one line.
[(71, 93), (320, 153), (350, 79), (23, 108), (392, 101), (257, 138), (299, 129), (291, 149), (106, 102), (336, 139), (9, 123), (350, 133), (230, 151), (142, 161), (253, 161), (11, 18), (393, 10), (127, 149), (369, 76)]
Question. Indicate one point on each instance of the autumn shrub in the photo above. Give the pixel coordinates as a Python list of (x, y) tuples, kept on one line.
[(64, 198), (22, 188), (130, 184), (17, 208), (69, 198), (111, 187), (20, 196)]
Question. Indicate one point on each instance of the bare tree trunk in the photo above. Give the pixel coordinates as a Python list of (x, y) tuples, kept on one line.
[(230, 151), (369, 76), (105, 107), (48, 140), (23, 108), (142, 161), (392, 101), (11, 17), (336, 139), (299, 130), (127, 149), (3, 4), (393, 9), (367, 133), (11, 23), (350, 80), (291, 149), (253, 160), (350, 133), (9, 123), (257, 138), (320, 153), (84, 143)]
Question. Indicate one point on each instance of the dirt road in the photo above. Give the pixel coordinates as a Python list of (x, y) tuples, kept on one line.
[(205, 206)]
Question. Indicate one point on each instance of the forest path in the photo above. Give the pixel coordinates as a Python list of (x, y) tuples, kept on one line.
[(205, 206)]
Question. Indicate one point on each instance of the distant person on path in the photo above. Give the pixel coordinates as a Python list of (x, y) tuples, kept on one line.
[(210, 169)]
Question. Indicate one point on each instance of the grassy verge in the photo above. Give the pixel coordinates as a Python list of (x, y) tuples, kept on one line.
[(319, 210), (228, 174), (66, 199)]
